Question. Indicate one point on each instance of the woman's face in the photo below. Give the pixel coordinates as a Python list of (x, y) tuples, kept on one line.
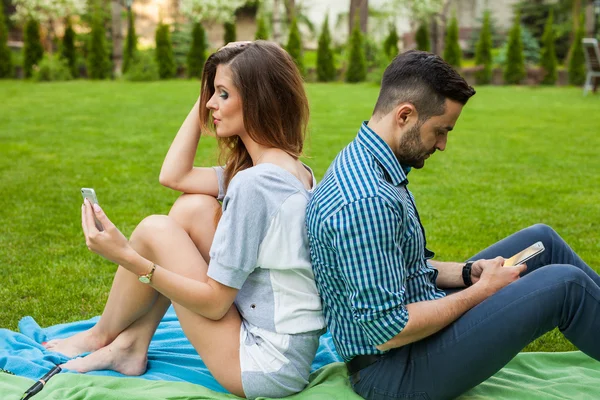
[(226, 105)]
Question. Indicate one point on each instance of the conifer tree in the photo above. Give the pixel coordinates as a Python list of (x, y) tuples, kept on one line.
[(514, 71), (6, 68), (577, 60), (548, 60), (130, 52), (230, 32), (294, 46), (483, 52), (325, 61), (97, 63), (68, 49), (164, 52), (390, 45), (32, 46), (261, 29), (452, 50), (197, 54), (357, 63), (422, 37)]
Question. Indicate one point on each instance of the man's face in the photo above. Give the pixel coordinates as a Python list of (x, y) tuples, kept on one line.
[(422, 139)]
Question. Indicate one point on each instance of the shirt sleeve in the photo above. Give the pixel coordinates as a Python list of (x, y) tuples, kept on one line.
[(241, 229), (220, 171), (367, 239)]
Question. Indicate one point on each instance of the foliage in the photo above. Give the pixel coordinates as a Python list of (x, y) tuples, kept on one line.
[(452, 51), (164, 52), (68, 51), (577, 61), (6, 66), (548, 54), (98, 65), (130, 50), (210, 10), (45, 10), (143, 68), (483, 52), (230, 32), (181, 41), (32, 47), (514, 71), (498, 39), (261, 29), (422, 37), (294, 46), (52, 68), (390, 44), (420, 10), (325, 60), (531, 49), (197, 54), (357, 64)]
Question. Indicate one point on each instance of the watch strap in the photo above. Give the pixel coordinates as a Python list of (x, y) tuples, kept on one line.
[(466, 273)]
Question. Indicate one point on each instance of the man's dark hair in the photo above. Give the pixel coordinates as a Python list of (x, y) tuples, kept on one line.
[(424, 80)]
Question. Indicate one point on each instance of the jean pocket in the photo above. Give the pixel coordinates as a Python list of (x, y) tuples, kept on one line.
[(384, 395)]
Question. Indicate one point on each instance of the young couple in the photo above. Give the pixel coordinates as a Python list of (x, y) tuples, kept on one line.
[(240, 275)]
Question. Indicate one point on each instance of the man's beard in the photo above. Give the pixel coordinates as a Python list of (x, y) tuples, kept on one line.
[(411, 151)]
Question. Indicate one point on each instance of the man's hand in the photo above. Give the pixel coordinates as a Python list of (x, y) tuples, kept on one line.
[(494, 275)]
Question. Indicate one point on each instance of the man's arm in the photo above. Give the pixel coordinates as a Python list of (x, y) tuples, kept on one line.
[(449, 274), (428, 317)]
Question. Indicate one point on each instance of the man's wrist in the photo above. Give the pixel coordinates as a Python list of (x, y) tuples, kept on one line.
[(466, 273)]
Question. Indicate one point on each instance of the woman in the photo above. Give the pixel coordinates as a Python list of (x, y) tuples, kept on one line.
[(243, 290)]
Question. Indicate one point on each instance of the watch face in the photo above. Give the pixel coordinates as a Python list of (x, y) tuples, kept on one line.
[(144, 279)]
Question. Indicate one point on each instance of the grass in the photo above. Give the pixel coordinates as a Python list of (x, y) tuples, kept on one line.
[(518, 156)]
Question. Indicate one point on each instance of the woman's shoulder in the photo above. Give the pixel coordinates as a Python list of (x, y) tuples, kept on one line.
[(265, 177)]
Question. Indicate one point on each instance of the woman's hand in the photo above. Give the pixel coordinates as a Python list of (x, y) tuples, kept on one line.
[(109, 243)]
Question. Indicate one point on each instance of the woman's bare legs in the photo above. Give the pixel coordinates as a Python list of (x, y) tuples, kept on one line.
[(195, 213)]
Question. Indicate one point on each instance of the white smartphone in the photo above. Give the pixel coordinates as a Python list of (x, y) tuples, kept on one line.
[(525, 255), (90, 194)]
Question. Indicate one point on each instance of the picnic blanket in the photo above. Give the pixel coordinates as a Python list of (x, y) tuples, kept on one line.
[(175, 371)]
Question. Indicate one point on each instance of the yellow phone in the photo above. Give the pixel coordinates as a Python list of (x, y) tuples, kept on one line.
[(525, 255), (90, 194)]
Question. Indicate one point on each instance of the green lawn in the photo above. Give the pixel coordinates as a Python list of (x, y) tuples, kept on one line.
[(518, 156)]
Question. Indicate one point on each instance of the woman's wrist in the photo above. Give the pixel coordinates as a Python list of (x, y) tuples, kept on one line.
[(134, 262)]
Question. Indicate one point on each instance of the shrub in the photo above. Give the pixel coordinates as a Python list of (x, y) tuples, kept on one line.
[(261, 29), (577, 60), (143, 68), (197, 55), (483, 52), (294, 46), (422, 37), (531, 49), (452, 51), (6, 67), (52, 68), (390, 44), (164, 52), (32, 47), (548, 54), (357, 64), (325, 61), (181, 41), (514, 70), (98, 63), (230, 33), (130, 42), (68, 49)]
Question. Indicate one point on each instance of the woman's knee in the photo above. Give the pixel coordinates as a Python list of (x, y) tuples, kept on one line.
[(192, 207), (150, 226)]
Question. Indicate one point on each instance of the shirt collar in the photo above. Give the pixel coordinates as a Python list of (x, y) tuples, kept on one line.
[(383, 154)]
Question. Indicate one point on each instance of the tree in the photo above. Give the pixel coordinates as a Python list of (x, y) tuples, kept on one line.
[(6, 68), (357, 63), (218, 11), (130, 42), (230, 34), (197, 53), (68, 48), (452, 50), (577, 60), (261, 29), (32, 47), (548, 53), (483, 52), (514, 71), (358, 9), (422, 37), (390, 45), (325, 61), (97, 65), (294, 46), (164, 52)]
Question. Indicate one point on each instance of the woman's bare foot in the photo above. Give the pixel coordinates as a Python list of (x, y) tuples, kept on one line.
[(122, 355), (83, 342)]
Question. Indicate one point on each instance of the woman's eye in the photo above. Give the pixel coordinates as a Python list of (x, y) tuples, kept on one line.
[(224, 95)]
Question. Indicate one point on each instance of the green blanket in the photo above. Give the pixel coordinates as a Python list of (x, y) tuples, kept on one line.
[(530, 376)]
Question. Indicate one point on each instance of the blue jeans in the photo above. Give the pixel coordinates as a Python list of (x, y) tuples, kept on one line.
[(558, 290)]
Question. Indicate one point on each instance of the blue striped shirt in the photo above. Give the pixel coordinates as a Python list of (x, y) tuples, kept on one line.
[(367, 246)]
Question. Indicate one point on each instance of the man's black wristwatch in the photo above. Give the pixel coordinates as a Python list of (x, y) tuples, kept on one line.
[(466, 273)]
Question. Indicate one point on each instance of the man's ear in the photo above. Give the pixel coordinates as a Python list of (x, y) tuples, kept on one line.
[(405, 114)]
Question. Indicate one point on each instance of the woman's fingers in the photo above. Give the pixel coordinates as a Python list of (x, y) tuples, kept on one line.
[(84, 221)]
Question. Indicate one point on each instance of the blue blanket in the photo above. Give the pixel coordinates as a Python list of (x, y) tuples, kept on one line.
[(170, 357)]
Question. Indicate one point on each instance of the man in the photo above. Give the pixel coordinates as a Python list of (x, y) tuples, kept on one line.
[(400, 334)]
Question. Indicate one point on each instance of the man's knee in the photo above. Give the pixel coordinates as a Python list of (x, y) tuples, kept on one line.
[(565, 273), (543, 232)]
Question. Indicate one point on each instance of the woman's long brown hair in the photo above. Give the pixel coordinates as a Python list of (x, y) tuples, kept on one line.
[(274, 102)]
